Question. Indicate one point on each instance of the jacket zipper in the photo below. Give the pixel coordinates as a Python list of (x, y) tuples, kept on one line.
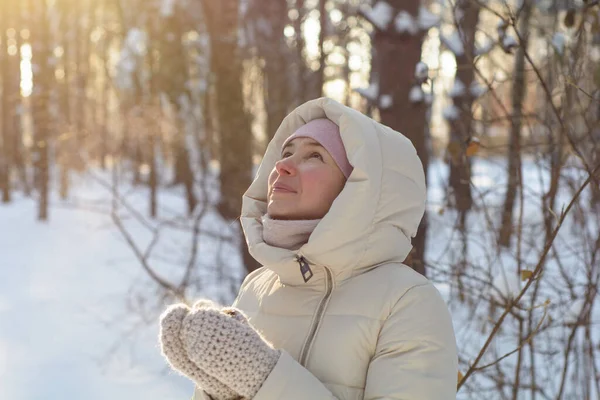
[(320, 310), (304, 268)]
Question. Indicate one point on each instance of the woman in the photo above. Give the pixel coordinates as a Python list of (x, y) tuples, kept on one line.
[(333, 313)]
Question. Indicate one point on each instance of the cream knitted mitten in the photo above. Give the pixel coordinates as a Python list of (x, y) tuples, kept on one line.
[(173, 350), (224, 345)]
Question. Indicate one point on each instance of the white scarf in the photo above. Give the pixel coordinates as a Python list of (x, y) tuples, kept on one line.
[(287, 234)]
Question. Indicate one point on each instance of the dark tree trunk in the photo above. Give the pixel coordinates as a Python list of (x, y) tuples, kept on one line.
[(323, 22), (65, 144), (397, 55), (300, 63), (16, 101), (6, 103), (461, 129), (42, 81), (11, 99), (151, 121), (81, 75), (235, 144), (102, 108), (514, 155), (173, 79), (275, 53)]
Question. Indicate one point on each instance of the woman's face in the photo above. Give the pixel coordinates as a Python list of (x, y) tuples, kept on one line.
[(304, 182)]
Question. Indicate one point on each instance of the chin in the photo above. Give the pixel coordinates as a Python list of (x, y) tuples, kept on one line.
[(279, 216), (274, 214)]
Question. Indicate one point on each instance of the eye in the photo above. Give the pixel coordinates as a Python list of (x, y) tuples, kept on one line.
[(286, 154), (319, 156)]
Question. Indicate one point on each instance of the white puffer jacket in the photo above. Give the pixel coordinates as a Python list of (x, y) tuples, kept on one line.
[(353, 321)]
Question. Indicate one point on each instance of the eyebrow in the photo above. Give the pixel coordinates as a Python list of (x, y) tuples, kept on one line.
[(311, 143)]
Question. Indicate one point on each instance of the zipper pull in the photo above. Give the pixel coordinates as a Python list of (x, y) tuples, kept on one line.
[(304, 268)]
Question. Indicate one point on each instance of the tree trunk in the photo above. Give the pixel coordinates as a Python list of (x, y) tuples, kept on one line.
[(101, 108), (323, 22), (15, 88), (235, 144), (105, 149), (173, 80), (397, 55), (461, 129), (6, 103), (81, 73), (11, 99), (300, 63), (514, 155), (275, 53), (152, 122), (43, 76), (65, 145)]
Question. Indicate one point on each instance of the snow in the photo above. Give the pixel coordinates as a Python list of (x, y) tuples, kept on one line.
[(244, 7), (454, 43), (67, 288), (386, 101), (427, 19), (558, 42), (78, 316), (475, 317), (134, 48), (476, 89), (167, 8), (416, 94), (458, 89), (506, 286), (405, 23), (197, 85), (380, 15), (371, 92), (451, 112), (127, 63), (485, 48), (428, 98), (501, 27), (509, 42), (136, 41), (421, 72), (574, 312)]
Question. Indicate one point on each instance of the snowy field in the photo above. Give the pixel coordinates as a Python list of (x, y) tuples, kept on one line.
[(63, 332), (78, 314)]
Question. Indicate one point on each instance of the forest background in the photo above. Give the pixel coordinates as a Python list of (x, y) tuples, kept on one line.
[(130, 129)]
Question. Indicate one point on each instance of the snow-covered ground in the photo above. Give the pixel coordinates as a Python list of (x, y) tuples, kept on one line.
[(78, 314)]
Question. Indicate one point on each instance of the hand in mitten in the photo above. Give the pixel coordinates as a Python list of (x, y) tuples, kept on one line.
[(224, 345), (173, 350), (231, 311)]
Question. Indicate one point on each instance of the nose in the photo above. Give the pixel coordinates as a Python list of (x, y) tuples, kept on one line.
[(285, 167)]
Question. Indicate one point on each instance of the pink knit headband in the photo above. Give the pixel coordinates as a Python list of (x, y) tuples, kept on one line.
[(327, 134)]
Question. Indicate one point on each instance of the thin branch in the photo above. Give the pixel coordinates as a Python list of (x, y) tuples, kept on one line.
[(531, 279)]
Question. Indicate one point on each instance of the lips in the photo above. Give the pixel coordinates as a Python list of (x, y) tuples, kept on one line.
[(280, 187)]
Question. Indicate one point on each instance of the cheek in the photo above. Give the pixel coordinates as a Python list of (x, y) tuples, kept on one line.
[(272, 177), (316, 180)]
